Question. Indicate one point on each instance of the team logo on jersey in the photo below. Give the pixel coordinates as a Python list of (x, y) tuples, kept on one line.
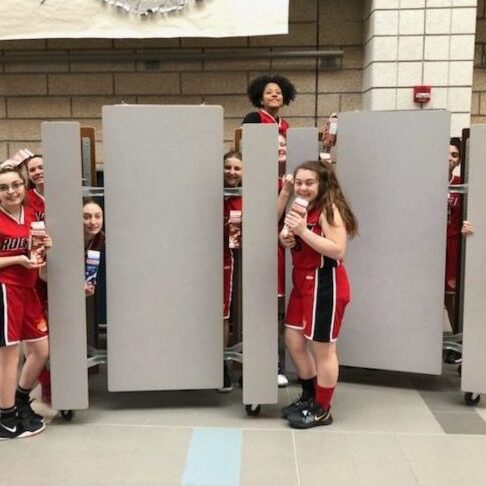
[(10, 244), (42, 325)]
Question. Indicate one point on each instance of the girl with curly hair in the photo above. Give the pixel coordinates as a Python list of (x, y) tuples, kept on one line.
[(269, 93)]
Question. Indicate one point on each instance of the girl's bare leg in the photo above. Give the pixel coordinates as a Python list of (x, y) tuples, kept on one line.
[(326, 363), (300, 354), (36, 354), (9, 362)]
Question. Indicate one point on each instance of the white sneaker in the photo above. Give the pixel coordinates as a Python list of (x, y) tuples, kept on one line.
[(282, 380)]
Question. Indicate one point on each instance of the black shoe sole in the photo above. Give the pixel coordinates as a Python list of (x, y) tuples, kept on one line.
[(300, 425)]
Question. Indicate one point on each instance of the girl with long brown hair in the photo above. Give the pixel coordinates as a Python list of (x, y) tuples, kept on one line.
[(320, 289)]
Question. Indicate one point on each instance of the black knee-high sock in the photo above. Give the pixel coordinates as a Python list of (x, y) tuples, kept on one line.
[(308, 388)]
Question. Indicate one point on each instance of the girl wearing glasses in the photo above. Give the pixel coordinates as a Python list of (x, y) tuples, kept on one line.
[(22, 318), (320, 289)]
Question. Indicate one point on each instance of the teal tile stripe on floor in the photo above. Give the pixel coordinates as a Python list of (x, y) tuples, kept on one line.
[(214, 458)]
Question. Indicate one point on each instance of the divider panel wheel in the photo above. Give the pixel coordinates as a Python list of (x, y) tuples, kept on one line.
[(472, 399), (67, 415), (253, 410)]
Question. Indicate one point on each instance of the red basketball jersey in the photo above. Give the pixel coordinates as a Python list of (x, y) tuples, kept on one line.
[(282, 124), (454, 210), (303, 255), (35, 201), (231, 203), (13, 242), (263, 117)]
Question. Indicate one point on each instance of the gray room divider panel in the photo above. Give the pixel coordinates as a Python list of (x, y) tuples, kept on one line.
[(259, 263), (302, 145), (61, 146), (474, 338), (393, 168), (164, 230)]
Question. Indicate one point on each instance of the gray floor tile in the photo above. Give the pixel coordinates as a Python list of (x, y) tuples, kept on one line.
[(267, 457), (352, 459), (381, 408), (385, 473), (338, 473), (268, 444), (68, 470), (333, 446), (448, 401), (85, 440), (441, 473), (481, 407), (466, 422), (388, 430), (444, 447), (161, 468), (160, 455), (258, 471)]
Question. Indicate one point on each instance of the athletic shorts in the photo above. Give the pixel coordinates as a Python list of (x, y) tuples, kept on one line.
[(22, 315), (281, 271), (317, 302), (228, 269), (452, 261)]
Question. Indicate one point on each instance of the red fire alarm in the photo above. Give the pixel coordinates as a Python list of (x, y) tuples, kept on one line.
[(421, 94)]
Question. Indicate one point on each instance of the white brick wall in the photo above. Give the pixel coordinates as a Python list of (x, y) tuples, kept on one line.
[(415, 42)]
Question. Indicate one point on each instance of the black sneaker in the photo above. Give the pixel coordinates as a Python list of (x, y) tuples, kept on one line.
[(15, 428), (295, 407), (26, 414), (227, 382), (312, 416)]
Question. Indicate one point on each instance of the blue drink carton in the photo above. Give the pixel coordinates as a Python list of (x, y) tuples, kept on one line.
[(92, 265)]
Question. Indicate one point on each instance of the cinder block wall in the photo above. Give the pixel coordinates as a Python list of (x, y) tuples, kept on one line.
[(33, 92), (478, 105)]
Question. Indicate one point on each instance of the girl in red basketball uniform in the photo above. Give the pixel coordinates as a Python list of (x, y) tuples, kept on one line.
[(35, 193), (34, 167), (22, 316), (233, 172), (269, 93), (320, 289)]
